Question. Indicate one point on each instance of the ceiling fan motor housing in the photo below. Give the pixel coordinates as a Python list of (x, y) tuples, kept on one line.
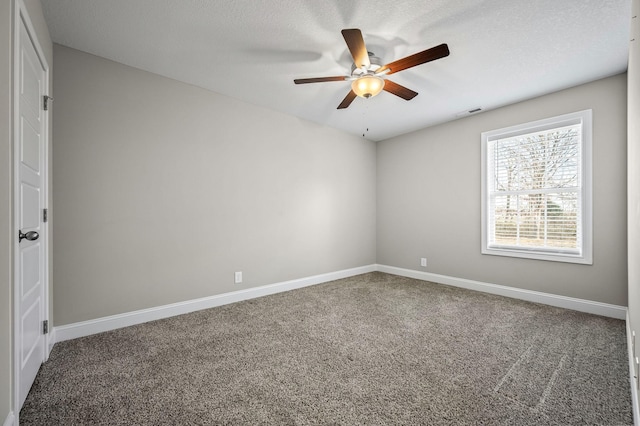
[(376, 63)]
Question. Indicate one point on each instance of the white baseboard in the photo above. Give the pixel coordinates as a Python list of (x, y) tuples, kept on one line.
[(99, 325), (10, 420), (632, 379), (603, 309)]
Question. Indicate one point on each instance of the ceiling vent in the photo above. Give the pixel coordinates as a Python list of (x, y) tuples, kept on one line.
[(469, 112)]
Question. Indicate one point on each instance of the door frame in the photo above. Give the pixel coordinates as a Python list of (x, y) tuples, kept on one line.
[(21, 15)]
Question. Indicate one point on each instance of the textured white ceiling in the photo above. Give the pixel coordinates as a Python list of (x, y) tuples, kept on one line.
[(502, 51)]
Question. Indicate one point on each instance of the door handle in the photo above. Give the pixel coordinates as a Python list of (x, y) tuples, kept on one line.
[(30, 236)]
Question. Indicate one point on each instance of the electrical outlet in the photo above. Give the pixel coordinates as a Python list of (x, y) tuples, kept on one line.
[(423, 262), (238, 277)]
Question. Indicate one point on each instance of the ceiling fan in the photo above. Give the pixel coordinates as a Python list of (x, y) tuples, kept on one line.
[(367, 70)]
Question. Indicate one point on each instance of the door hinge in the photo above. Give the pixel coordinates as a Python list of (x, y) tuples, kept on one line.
[(45, 215), (45, 326), (45, 102)]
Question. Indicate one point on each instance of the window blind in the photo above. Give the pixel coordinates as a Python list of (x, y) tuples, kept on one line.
[(534, 189)]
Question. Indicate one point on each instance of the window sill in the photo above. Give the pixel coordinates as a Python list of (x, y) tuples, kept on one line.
[(539, 255)]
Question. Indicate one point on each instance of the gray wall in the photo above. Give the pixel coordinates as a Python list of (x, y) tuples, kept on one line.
[(429, 198), (7, 234), (634, 174), (163, 190)]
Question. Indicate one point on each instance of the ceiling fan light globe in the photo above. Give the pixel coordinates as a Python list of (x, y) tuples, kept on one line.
[(367, 86)]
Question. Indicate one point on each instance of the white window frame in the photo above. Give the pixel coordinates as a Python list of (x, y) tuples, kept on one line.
[(585, 252)]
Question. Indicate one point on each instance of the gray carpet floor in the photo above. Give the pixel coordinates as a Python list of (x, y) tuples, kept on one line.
[(374, 349)]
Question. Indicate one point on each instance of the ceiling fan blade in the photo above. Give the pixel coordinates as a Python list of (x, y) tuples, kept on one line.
[(319, 79), (398, 90), (347, 100), (355, 43), (416, 59)]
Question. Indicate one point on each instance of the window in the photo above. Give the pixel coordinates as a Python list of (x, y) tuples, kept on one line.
[(536, 190)]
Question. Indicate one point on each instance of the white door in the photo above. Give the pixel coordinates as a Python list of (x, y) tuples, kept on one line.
[(30, 194)]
